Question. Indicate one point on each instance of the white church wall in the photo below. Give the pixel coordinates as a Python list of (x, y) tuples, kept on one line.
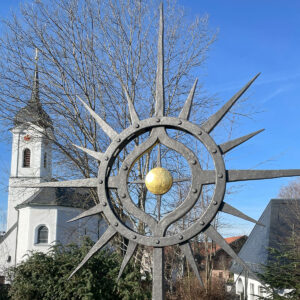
[(30, 219), (253, 290)]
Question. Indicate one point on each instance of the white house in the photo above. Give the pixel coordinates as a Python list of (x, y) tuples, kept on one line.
[(36, 218), (280, 220)]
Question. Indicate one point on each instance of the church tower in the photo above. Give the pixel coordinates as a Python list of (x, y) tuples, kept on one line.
[(31, 160)]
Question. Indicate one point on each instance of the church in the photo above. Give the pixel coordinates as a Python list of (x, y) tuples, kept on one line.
[(37, 217)]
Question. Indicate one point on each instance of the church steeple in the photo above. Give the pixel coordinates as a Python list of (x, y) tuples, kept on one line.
[(33, 112)]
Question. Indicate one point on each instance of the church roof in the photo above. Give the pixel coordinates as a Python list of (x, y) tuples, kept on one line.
[(280, 219), (33, 112), (67, 197)]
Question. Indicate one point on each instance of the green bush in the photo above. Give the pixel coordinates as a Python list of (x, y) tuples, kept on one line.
[(45, 276)]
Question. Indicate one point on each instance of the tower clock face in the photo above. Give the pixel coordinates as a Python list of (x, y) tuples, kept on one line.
[(27, 138)]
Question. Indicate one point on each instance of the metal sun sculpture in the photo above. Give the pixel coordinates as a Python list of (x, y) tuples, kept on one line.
[(159, 180)]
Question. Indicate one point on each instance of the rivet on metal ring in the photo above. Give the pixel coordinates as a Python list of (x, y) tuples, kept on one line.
[(200, 133), (100, 181), (157, 241), (137, 125), (106, 158), (125, 168), (104, 203), (214, 151), (179, 122), (134, 237), (116, 224), (193, 162), (194, 191), (118, 140), (215, 203), (220, 175), (123, 195), (157, 120), (181, 237), (201, 223)]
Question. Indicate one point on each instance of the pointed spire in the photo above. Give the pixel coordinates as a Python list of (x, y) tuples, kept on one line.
[(33, 112), (35, 95)]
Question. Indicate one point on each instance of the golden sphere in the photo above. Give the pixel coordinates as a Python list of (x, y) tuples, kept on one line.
[(158, 181)]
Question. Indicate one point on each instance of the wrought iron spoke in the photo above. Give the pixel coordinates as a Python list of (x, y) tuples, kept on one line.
[(211, 232), (129, 253), (133, 114), (105, 127), (185, 112), (188, 253), (160, 93), (105, 238), (97, 209), (214, 120), (86, 182), (226, 208), (158, 274), (236, 142), (241, 175), (92, 153)]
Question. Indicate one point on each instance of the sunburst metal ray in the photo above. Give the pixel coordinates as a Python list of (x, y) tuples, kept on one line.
[(92, 153), (226, 208), (105, 127), (211, 232), (105, 238), (236, 142), (188, 253), (160, 94), (133, 114), (209, 176), (129, 253), (97, 209), (213, 121), (86, 182), (185, 112), (83, 183), (241, 175)]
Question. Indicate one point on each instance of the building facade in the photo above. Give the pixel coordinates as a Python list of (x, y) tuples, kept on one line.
[(37, 217)]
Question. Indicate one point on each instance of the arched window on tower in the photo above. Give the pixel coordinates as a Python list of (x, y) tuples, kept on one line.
[(45, 160), (26, 158), (42, 235)]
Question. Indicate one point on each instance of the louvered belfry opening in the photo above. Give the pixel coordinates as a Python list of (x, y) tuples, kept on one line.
[(26, 158)]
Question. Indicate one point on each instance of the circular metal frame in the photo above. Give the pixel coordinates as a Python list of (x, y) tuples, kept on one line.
[(157, 128)]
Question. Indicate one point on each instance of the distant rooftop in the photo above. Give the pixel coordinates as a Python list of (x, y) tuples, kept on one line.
[(281, 217)]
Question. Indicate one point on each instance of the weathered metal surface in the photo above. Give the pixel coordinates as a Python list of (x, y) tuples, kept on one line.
[(97, 155), (228, 209), (129, 253), (105, 127), (214, 120), (236, 142), (157, 126), (188, 253), (105, 238), (160, 91), (186, 110), (133, 114)]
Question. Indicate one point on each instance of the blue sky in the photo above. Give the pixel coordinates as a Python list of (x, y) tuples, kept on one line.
[(254, 36)]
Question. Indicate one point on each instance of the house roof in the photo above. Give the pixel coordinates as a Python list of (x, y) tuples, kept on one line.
[(281, 218), (67, 197), (230, 240)]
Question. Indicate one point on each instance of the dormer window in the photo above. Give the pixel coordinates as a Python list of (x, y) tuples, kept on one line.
[(26, 158)]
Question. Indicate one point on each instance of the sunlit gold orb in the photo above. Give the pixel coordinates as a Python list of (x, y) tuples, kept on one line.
[(158, 181)]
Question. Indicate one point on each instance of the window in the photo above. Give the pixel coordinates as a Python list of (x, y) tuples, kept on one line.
[(42, 235), (45, 160), (26, 158)]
